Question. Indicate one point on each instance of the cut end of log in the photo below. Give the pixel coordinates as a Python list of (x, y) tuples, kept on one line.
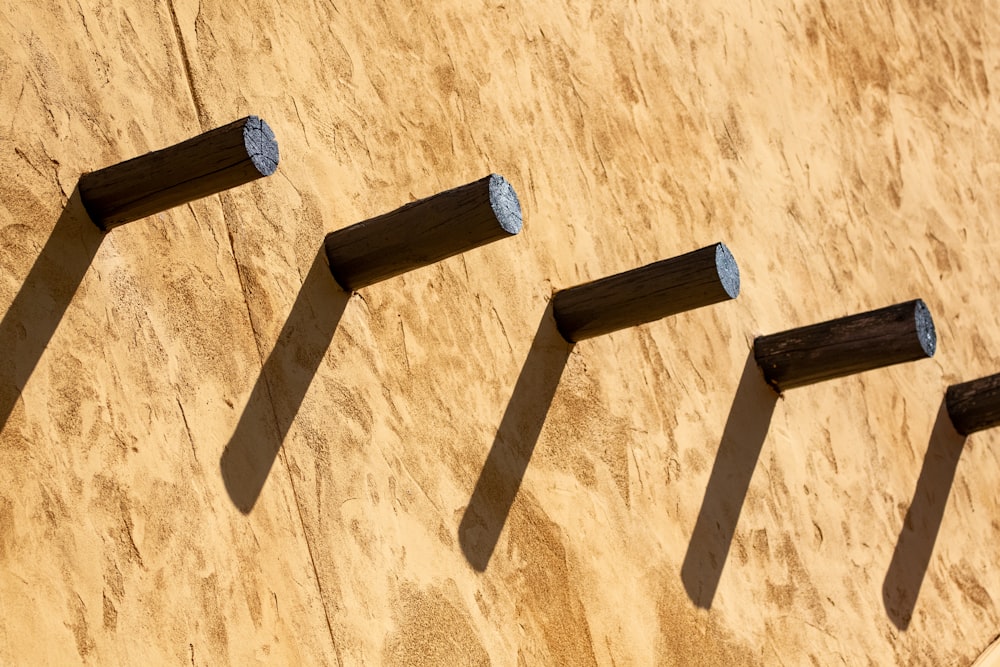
[(926, 333), (261, 145), (729, 271), (505, 204)]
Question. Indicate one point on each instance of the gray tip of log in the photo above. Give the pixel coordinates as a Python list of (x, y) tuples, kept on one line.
[(729, 271), (926, 333), (261, 145), (505, 204)]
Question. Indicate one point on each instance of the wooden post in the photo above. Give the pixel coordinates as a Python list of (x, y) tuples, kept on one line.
[(212, 162), (424, 232), (974, 405), (892, 335), (670, 286)]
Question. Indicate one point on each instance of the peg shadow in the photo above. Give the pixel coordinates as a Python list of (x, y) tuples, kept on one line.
[(923, 520), (514, 443), (742, 440), (34, 314), (282, 385)]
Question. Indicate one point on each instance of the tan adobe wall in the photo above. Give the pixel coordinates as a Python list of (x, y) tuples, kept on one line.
[(210, 455)]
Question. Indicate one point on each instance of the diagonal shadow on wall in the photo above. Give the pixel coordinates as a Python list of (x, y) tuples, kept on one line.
[(514, 443), (923, 520), (282, 385), (35, 313), (742, 440)]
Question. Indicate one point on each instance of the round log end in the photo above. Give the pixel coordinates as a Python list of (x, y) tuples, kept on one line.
[(505, 204), (729, 271), (261, 145), (925, 327)]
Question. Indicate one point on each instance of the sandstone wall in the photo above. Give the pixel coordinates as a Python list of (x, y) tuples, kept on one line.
[(211, 456)]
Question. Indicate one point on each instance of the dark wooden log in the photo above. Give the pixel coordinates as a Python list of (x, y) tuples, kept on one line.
[(424, 232), (670, 286), (892, 335), (212, 162), (974, 405)]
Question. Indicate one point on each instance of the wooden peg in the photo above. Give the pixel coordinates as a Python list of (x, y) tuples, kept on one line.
[(212, 162), (892, 335), (670, 286), (974, 405), (424, 232)]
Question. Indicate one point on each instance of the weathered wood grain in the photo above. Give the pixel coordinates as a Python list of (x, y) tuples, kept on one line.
[(217, 160), (699, 278), (423, 232), (891, 335), (974, 405)]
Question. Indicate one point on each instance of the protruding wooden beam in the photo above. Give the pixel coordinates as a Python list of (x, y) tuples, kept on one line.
[(892, 335), (212, 162), (670, 286), (424, 232), (974, 405)]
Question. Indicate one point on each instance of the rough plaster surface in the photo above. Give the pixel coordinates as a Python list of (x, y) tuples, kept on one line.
[(210, 455)]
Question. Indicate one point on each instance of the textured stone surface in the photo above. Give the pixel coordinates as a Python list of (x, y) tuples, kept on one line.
[(847, 153)]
